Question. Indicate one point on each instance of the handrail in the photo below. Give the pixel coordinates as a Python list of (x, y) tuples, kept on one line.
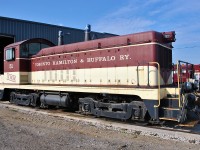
[(158, 83), (179, 77), (138, 82), (148, 75), (179, 96)]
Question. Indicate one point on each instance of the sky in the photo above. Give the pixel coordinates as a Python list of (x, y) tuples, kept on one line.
[(119, 17)]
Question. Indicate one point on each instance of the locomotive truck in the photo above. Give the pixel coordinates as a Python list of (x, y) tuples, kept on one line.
[(122, 77)]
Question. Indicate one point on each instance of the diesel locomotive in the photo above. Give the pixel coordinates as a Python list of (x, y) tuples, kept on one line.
[(122, 77)]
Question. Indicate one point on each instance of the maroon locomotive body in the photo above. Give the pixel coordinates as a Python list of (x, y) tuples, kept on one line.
[(116, 53), (124, 77)]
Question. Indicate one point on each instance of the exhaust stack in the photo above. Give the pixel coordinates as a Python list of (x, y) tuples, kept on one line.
[(87, 32), (60, 38)]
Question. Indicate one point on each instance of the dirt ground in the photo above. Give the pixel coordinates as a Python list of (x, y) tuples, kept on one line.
[(22, 131)]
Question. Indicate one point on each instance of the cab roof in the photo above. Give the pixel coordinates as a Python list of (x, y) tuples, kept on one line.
[(34, 40)]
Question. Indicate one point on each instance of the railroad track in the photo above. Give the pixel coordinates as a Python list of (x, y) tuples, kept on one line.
[(179, 133)]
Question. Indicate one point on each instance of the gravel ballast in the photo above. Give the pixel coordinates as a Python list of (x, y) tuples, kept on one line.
[(27, 128)]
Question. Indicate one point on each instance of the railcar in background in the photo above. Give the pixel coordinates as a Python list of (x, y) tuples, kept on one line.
[(123, 77), (187, 71), (197, 75)]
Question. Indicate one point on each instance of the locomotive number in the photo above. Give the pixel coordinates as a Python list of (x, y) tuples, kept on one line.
[(11, 66)]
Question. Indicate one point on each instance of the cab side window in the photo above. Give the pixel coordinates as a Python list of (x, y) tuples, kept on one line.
[(29, 49), (10, 54)]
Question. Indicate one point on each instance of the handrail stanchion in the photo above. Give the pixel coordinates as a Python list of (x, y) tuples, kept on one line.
[(178, 71)]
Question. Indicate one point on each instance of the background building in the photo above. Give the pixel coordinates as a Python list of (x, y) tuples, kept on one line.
[(14, 30)]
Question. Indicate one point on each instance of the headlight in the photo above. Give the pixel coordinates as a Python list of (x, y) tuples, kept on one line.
[(187, 86)]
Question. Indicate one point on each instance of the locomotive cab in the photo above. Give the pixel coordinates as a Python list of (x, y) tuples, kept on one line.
[(17, 60)]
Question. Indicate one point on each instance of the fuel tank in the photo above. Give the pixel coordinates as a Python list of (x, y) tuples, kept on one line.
[(62, 100)]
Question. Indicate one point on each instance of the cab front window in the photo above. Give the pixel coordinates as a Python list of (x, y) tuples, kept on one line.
[(10, 54)]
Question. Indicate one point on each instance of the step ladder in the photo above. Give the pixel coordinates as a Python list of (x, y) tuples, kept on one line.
[(169, 109)]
